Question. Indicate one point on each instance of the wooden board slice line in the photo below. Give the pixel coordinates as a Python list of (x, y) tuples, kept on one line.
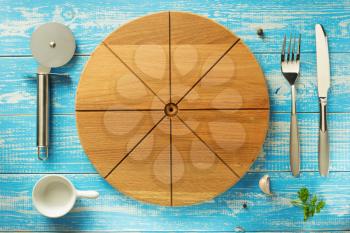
[(198, 81), (209, 148), (222, 109), (134, 147), (171, 162), (170, 91), (122, 110), (143, 82)]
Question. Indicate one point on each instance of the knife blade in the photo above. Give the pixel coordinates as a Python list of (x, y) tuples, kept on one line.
[(323, 83)]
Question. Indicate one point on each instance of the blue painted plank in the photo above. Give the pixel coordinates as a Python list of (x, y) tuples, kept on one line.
[(18, 151), (307, 96), (18, 85), (18, 146), (92, 21), (275, 154), (114, 211)]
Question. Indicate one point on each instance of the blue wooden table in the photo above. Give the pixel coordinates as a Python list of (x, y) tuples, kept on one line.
[(93, 20)]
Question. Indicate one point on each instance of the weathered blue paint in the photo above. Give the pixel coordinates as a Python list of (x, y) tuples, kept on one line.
[(114, 211), (91, 21)]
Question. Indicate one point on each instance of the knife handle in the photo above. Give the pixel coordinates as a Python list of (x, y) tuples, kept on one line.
[(294, 138), (323, 145)]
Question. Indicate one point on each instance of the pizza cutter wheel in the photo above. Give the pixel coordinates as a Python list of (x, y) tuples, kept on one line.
[(52, 45)]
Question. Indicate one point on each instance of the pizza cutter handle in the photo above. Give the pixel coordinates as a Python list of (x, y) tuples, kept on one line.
[(42, 136)]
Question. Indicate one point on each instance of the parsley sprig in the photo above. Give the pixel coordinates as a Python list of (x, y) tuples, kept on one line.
[(309, 205)]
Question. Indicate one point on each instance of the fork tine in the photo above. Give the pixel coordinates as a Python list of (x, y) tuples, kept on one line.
[(290, 40), (283, 49), (293, 49), (298, 54)]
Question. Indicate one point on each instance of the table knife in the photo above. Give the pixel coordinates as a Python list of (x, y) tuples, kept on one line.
[(323, 83)]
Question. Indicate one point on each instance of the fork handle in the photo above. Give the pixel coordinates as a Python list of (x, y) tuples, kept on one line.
[(294, 138)]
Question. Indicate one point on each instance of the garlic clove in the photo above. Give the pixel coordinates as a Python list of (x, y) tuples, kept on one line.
[(264, 184)]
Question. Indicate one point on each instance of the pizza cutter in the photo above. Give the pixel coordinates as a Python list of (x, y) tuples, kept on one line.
[(52, 45)]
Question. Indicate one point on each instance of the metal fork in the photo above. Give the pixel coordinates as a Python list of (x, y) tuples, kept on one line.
[(290, 67)]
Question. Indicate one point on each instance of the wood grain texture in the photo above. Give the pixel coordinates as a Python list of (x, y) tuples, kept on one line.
[(145, 174), (143, 46), (198, 174), (197, 44), (91, 22), (108, 136), (106, 82), (235, 82), (127, 71), (234, 136)]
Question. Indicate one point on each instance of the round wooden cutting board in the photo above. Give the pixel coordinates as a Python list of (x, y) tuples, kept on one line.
[(172, 109)]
